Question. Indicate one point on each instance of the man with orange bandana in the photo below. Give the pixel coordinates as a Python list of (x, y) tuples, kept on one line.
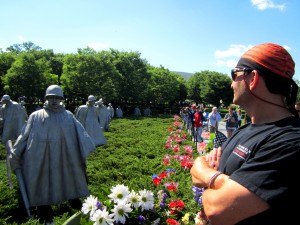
[(252, 178)]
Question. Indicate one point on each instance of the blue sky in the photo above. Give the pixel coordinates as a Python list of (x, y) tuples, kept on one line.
[(180, 35)]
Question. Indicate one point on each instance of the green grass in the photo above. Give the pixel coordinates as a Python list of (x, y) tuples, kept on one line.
[(133, 154)]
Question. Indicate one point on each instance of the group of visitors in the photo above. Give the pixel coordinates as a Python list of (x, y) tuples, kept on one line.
[(196, 119)]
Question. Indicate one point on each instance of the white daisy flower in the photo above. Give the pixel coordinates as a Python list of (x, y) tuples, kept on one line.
[(134, 199), (90, 205), (119, 193), (146, 200), (120, 212), (101, 217)]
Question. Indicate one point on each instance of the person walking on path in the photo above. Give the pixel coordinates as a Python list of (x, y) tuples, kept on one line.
[(205, 115), (51, 154), (231, 120), (89, 116), (198, 124), (191, 112), (251, 179), (214, 118)]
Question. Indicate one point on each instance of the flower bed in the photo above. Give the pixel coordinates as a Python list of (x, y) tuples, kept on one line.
[(163, 204)]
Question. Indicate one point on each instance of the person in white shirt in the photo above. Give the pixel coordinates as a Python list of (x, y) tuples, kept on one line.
[(214, 118)]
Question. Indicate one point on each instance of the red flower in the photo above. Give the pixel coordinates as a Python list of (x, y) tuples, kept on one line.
[(163, 175), (205, 135), (176, 117), (202, 147), (156, 181), (168, 145), (176, 205), (186, 164), (177, 124), (173, 212), (188, 148), (172, 222), (176, 157), (171, 186), (178, 140), (176, 148), (166, 161)]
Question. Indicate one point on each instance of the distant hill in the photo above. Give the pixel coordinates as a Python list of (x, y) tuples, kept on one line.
[(184, 74)]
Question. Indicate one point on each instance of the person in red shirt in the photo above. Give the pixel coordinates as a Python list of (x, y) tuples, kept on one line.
[(198, 124)]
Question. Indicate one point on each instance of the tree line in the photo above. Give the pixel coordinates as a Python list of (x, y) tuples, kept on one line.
[(118, 77)]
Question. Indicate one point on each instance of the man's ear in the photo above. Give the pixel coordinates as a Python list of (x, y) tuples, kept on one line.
[(255, 79)]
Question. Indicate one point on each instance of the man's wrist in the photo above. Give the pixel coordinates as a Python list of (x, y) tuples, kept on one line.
[(213, 178)]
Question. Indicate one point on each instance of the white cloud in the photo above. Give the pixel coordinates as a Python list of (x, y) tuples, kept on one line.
[(265, 4), (98, 46), (233, 51), (231, 63), (229, 58), (288, 48)]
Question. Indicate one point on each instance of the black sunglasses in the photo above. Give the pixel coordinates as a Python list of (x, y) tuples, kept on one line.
[(235, 70)]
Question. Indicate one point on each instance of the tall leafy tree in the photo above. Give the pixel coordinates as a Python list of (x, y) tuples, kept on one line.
[(194, 87), (215, 87), (6, 60), (28, 77), (89, 73), (183, 90), (117, 77), (164, 86), (134, 75), (56, 63), (24, 47), (210, 87)]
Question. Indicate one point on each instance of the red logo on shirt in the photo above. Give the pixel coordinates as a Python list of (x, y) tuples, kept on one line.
[(241, 151)]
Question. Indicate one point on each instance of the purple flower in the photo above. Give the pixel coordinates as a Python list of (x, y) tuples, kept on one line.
[(142, 219), (99, 205), (198, 194)]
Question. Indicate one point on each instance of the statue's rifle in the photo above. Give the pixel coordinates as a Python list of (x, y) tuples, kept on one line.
[(8, 147), (20, 179)]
